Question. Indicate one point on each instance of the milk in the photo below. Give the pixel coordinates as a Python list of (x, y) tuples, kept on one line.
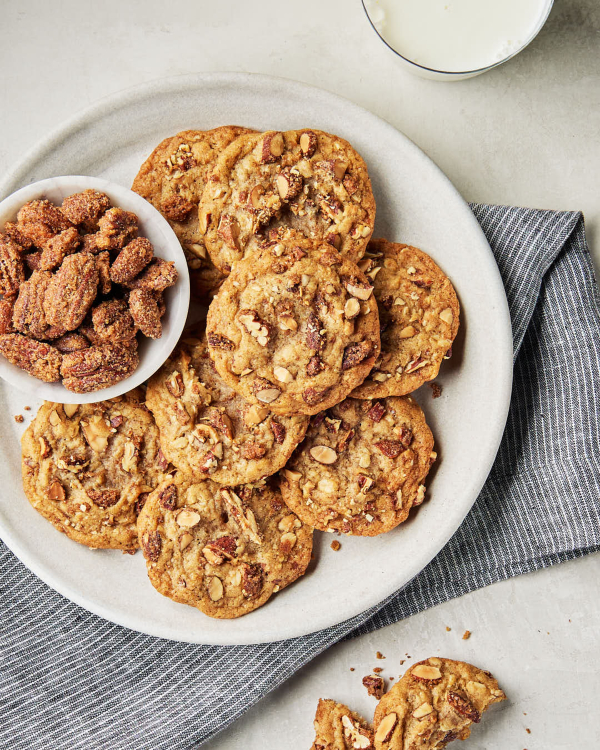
[(456, 35)]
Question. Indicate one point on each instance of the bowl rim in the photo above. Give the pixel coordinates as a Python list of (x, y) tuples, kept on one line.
[(473, 71), (159, 349)]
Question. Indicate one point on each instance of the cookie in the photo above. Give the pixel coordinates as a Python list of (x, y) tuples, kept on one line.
[(306, 179), (294, 327), (339, 728), (361, 466), (86, 466), (435, 702), (222, 550), (207, 429), (419, 315), (172, 178)]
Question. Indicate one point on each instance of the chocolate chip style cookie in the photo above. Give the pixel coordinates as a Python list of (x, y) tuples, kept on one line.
[(172, 178), (223, 550), (294, 327), (311, 181), (86, 466), (418, 312), (361, 466), (435, 702), (207, 429), (339, 728)]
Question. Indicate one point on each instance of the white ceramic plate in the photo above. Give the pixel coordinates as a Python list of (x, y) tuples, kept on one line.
[(416, 204)]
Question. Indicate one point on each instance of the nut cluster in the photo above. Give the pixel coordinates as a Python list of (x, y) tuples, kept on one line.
[(77, 284)]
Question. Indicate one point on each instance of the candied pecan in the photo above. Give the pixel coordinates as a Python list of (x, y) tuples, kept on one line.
[(167, 498), (88, 243), (376, 412), (278, 431), (141, 501), (40, 360), (112, 322), (222, 423), (71, 291), (6, 314), (32, 260), (58, 247), (40, 220), (71, 342), (104, 498), (157, 277), (221, 549), (12, 230), (176, 207), (344, 441), (390, 448), (406, 436), (314, 366), (354, 354), (151, 545), (28, 313), (314, 339), (374, 686), (463, 707), (251, 450), (132, 260), (99, 366), (220, 342), (229, 230), (86, 208), (312, 396), (103, 264), (145, 313), (12, 270), (115, 228), (252, 580)]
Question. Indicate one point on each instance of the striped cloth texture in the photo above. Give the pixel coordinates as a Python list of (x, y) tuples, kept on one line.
[(69, 679)]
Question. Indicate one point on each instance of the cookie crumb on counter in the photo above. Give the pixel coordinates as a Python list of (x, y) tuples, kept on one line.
[(528, 730), (19, 418), (374, 686), (379, 655), (466, 635), (448, 629), (436, 390), (335, 545), (402, 661), (27, 408), (377, 670), (352, 669)]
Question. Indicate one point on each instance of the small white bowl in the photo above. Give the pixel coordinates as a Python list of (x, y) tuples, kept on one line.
[(448, 75), (152, 352)]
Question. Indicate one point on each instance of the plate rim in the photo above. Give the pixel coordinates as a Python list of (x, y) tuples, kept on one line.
[(196, 81)]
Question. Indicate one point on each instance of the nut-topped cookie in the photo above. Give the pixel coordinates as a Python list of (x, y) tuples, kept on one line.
[(294, 327), (309, 180), (339, 728), (224, 550), (435, 702), (419, 316), (172, 179), (207, 429), (361, 466), (85, 467)]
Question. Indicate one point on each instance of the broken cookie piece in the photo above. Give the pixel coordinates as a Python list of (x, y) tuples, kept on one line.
[(339, 728)]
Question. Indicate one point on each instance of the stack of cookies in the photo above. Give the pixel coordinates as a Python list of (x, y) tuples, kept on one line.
[(289, 410)]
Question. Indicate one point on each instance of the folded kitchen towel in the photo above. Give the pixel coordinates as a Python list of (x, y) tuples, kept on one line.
[(70, 680)]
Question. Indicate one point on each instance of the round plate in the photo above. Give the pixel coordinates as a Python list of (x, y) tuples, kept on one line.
[(416, 204)]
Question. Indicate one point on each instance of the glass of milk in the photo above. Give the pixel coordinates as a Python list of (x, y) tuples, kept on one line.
[(455, 39)]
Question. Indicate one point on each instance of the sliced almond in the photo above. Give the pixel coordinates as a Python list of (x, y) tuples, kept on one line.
[(323, 454), (283, 375), (327, 486), (180, 442), (268, 395), (256, 194), (407, 333), (211, 557), (425, 672), (292, 476), (197, 249), (188, 518), (276, 144), (287, 523), (287, 323), (362, 292), (97, 432), (423, 710), (380, 377), (447, 316), (185, 540), (351, 308), (386, 727), (255, 415), (215, 588), (54, 418), (339, 169), (283, 186), (70, 409)]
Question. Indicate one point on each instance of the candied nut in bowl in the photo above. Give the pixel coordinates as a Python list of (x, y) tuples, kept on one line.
[(152, 352)]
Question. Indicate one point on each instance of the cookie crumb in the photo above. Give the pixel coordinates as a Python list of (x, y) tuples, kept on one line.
[(28, 408), (374, 686), (402, 661), (377, 670), (352, 669), (448, 629), (528, 730), (335, 545), (379, 655), (19, 418), (436, 390), (466, 635), (391, 678)]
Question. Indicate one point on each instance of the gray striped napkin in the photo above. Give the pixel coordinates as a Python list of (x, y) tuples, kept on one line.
[(70, 680)]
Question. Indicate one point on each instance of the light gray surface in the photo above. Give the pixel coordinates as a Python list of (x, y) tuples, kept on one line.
[(525, 133)]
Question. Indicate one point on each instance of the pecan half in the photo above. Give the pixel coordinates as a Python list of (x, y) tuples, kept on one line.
[(38, 359), (158, 276), (71, 291), (28, 312), (58, 247), (71, 342), (99, 366), (86, 208), (374, 686), (390, 448), (145, 312), (132, 260), (6, 314), (112, 322), (116, 228), (12, 270), (376, 412)]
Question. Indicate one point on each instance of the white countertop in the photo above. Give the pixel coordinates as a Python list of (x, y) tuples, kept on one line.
[(526, 133)]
